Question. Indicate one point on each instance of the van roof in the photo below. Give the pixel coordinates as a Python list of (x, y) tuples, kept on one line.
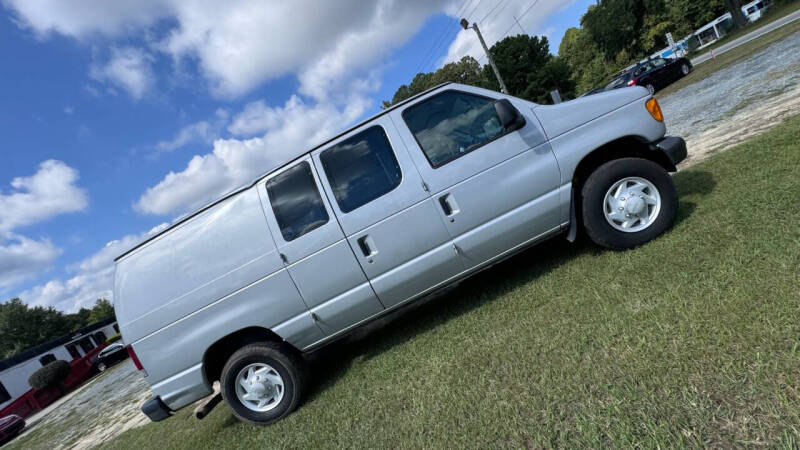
[(246, 186)]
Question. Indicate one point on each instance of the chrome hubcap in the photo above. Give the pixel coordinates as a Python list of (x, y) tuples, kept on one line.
[(259, 387), (632, 204)]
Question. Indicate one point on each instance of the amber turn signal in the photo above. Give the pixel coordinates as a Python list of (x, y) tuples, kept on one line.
[(654, 109)]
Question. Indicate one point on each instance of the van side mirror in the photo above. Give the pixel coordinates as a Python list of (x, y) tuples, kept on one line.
[(510, 118)]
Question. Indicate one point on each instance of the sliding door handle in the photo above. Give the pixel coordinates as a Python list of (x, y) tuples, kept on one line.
[(449, 205), (367, 246)]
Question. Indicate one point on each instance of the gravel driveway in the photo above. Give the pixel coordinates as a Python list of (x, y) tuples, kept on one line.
[(738, 102), (100, 410), (730, 106)]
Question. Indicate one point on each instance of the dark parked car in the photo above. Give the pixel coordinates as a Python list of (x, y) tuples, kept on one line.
[(109, 356), (10, 426), (654, 74)]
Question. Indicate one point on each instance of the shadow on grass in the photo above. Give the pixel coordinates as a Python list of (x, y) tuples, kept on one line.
[(421, 316)]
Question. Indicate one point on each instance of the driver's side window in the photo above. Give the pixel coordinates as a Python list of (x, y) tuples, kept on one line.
[(452, 124)]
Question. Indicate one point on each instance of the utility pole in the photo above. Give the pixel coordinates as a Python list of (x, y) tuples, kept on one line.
[(465, 25)]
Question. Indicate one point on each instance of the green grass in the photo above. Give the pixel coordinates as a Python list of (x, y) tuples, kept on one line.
[(691, 340), (731, 57), (774, 13)]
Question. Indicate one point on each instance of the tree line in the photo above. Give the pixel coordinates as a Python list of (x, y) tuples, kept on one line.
[(613, 35), (23, 326)]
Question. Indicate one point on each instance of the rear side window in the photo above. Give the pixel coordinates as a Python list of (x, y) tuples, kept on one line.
[(361, 168), (296, 202), (452, 124)]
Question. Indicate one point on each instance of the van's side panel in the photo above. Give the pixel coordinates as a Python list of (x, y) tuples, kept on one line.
[(215, 274), (575, 129), (205, 259), (181, 346)]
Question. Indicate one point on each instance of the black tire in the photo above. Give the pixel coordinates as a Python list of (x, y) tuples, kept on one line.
[(284, 360), (602, 179)]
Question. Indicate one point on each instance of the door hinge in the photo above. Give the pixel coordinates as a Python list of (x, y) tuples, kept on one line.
[(425, 186)]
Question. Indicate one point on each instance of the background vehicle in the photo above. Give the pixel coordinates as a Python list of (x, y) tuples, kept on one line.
[(10, 426), (654, 74), (109, 356), (399, 207)]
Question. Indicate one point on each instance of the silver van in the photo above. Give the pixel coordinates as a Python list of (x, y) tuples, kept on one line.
[(422, 195)]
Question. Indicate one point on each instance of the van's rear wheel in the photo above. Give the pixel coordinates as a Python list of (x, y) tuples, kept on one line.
[(263, 383), (628, 202)]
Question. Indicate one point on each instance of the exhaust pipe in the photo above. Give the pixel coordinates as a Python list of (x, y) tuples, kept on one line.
[(204, 408)]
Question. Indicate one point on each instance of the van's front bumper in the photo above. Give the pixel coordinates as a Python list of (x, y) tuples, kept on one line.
[(674, 148), (156, 410)]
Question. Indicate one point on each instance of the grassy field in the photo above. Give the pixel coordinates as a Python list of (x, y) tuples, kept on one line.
[(728, 58), (774, 13), (691, 340)]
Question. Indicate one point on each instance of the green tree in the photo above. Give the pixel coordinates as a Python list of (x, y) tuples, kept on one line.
[(50, 375), (22, 327), (588, 65), (465, 71), (735, 8), (102, 309)]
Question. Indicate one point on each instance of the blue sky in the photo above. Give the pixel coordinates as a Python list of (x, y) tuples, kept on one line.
[(117, 117)]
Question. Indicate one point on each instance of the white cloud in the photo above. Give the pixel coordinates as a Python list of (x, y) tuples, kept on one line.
[(238, 44), (203, 131), (49, 192), (22, 258), (93, 278), (128, 68), (288, 130), (69, 110)]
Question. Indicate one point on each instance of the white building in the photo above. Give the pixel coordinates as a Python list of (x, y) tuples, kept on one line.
[(715, 29), (15, 371)]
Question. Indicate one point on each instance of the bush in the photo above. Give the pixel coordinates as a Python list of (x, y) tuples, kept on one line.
[(50, 375), (114, 338)]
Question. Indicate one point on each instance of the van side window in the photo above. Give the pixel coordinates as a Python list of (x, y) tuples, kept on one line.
[(361, 168), (452, 124), (296, 202)]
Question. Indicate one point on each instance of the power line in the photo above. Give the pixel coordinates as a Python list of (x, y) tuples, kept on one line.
[(517, 19), (441, 38), (490, 11), (516, 22)]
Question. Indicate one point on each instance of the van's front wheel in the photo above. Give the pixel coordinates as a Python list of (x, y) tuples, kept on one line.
[(627, 202), (262, 383)]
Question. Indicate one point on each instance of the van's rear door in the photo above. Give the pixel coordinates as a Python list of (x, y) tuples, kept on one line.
[(314, 249)]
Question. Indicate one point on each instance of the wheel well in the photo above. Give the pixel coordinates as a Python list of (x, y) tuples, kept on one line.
[(626, 147), (217, 355)]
